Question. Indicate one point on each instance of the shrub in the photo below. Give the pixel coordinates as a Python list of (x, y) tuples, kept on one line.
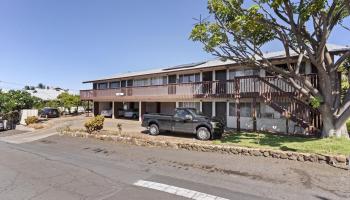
[(94, 124), (348, 125), (31, 120)]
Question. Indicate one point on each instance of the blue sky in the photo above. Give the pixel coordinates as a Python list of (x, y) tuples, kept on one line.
[(63, 42)]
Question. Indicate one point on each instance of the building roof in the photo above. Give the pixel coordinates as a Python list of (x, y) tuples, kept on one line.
[(46, 94), (206, 64)]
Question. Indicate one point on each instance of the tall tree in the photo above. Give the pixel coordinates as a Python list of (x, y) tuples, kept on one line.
[(239, 32)]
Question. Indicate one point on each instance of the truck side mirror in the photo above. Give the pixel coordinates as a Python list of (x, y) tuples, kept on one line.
[(188, 117)]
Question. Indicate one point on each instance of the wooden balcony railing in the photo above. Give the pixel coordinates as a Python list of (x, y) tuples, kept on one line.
[(247, 86)]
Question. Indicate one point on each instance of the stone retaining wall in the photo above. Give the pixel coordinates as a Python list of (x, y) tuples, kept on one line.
[(336, 161)]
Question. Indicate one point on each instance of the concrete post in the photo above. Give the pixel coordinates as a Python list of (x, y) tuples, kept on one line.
[(201, 106), (113, 110), (227, 112), (214, 109), (140, 111)]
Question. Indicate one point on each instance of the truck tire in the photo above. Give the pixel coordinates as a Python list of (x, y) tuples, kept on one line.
[(153, 129), (203, 133)]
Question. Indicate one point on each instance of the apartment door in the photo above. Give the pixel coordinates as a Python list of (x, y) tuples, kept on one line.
[(220, 77), (207, 109), (207, 78), (221, 111)]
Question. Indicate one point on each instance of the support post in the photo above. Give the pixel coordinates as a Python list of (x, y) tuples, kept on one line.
[(201, 106), (213, 109), (140, 111), (254, 114), (88, 109), (113, 110), (238, 106), (238, 114)]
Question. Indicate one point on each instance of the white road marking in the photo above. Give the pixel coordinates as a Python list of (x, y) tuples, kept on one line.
[(191, 194)]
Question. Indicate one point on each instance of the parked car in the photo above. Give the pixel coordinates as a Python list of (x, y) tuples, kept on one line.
[(185, 120), (107, 113), (121, 112), (2, 125), (49, 113), (134, 114)]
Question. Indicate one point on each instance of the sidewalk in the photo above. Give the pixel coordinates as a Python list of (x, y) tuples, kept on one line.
[(25, 136)]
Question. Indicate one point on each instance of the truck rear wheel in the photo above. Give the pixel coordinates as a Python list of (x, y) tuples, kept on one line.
[(203, 133), (153, 129)]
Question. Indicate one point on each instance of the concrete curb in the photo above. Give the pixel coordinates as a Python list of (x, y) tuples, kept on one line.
[(338, 161)]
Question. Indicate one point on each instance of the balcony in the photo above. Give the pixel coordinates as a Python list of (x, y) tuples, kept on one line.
[(243, 87)]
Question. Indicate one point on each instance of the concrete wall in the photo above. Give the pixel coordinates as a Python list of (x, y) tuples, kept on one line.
[(264, 124), (27, 113)]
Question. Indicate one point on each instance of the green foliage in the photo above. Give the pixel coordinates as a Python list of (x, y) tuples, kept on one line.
[(348, 126), (94, 124), (246, 24), (68, 100), (315, 102), (31, 120), (332, 146), (16, 100)]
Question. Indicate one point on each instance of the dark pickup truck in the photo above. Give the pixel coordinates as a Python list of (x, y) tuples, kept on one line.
[(185, 120)]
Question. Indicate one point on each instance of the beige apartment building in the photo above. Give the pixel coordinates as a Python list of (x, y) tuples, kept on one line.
[(242, 97)]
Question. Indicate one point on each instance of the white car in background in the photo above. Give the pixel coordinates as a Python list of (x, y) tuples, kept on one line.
[(107, 113), (134, 114), (2, 125)]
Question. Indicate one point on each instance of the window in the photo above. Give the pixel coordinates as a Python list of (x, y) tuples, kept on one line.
[(189, 78), (115, 85), (141, 82), (181, 113), (159, 80), (232, 109), (102, 86), (246, 109), (195, 105), (246, 72), (130, 83), (123, 83)]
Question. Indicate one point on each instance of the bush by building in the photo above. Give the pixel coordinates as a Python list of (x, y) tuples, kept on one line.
[(94, 124)]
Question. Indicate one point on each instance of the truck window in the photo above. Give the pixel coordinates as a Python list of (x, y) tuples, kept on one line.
[(181, 113)]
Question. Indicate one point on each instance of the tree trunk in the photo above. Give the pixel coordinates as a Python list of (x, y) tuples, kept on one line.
[(329, 127)]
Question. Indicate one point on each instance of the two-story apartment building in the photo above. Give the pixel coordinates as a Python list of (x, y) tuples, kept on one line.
[(243, 97)]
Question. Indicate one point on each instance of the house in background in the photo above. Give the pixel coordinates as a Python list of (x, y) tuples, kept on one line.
[(244, 98), (47, 94)]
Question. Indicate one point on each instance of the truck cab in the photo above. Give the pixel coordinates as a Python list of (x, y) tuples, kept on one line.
[(185, 120)]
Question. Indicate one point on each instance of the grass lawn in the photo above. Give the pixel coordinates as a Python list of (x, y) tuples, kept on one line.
[(331, 146)]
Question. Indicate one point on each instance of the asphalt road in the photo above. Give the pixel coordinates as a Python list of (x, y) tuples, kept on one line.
[(62, 167)]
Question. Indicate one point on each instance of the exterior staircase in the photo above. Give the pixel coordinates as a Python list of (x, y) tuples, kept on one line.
[(290, 104)]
